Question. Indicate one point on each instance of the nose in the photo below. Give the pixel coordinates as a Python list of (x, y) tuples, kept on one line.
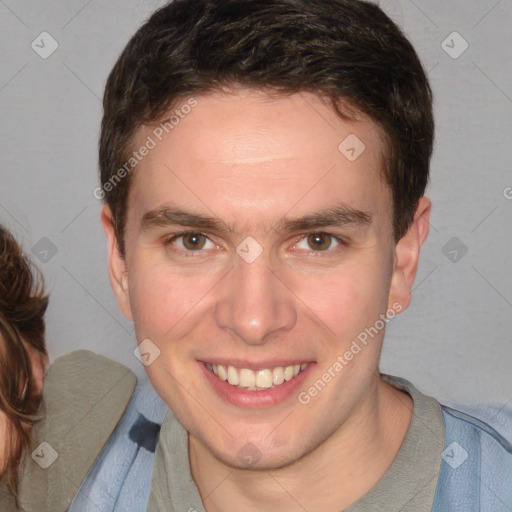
[(254, 303)]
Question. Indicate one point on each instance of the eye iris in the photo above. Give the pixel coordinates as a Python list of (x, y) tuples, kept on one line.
[(319, 241), (194, 241)]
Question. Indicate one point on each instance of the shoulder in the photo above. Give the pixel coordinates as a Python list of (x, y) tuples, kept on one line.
[(129, 454), (488, 431), (86, 391), (491, 424), (87, 363), (84, 397), (476, 470)]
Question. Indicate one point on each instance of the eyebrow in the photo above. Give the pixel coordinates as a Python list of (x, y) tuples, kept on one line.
[(168, 216), (338, 216)]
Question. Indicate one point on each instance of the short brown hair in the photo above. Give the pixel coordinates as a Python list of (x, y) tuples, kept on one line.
[(22, 308), (345, 50)]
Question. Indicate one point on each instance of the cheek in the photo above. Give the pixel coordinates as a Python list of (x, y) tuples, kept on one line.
[(347, 300), (157, 301), (162, 300)]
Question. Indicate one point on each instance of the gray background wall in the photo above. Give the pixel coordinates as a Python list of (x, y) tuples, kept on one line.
[(455, 340)]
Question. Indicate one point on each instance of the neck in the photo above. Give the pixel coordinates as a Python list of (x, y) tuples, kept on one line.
[(337, 472)]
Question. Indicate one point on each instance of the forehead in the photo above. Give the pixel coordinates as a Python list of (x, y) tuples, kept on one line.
[(246, 152)]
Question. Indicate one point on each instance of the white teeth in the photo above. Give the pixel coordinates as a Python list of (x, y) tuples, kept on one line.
[(247, 379), (278, 375), (222, 372), (233, 376), (264, 379)]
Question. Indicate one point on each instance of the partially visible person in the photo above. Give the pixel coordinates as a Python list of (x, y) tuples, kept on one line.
[(55, 421), (23, 355)]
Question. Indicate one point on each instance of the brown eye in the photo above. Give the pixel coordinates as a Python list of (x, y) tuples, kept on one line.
[(319, 241), (194, 241)]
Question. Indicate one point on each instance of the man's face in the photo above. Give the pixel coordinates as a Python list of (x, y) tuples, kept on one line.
[(246, 174)]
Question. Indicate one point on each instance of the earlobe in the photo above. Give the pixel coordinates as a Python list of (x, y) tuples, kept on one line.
[(407, 253), (118, 272)]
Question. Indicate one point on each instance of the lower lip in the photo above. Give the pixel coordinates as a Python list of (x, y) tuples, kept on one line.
[(255, 399)]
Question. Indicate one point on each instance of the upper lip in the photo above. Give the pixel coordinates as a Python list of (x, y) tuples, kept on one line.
[(252, 365)]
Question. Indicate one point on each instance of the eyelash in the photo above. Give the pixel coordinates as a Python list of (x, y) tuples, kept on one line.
[(342, 242), (169, 241)]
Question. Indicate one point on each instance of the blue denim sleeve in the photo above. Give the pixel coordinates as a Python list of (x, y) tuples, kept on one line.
[(120, 478), (476, 471)]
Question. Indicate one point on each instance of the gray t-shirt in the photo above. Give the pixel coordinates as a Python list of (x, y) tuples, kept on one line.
[(408, 485)]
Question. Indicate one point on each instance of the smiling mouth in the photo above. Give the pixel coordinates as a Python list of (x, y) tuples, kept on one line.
[(255, 380)]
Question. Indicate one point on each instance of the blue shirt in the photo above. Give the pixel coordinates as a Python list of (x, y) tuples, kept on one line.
[(474, 470)]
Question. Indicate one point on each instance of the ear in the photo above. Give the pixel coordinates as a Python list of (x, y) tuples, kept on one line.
[(407, 254), (116, 264)]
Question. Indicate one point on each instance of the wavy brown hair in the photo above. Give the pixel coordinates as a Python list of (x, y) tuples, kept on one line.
[(22, 308)]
